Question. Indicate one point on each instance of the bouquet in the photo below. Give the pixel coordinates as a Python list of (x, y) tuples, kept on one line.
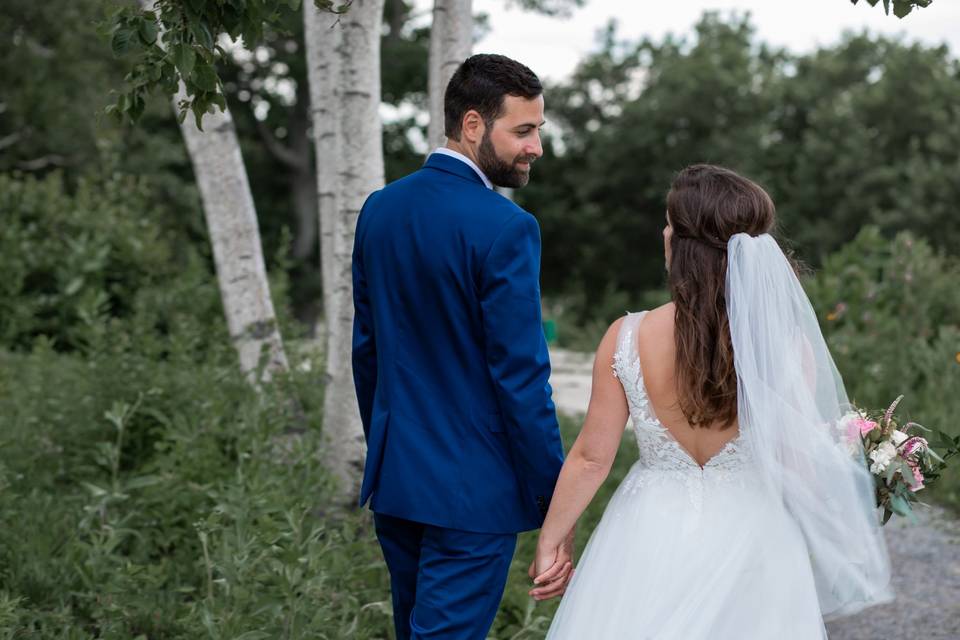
[(900, 460)]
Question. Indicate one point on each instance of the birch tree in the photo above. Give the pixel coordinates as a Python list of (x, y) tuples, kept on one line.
[(343, 68), (451, 40), (231, 219), (235, 236)]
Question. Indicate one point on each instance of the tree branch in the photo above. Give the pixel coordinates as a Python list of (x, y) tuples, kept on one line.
[(49, 160), (10, 140), (279, 151)]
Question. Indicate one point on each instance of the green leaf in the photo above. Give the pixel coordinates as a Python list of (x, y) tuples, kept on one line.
[(901, 9), (184, 58), (148, 31), (886, 516), (142, 482), (94, 490), (198, 111), (205, 77), (121, 41), (201, 32), (900, 506), (137, 104), (892, 471), (220, 100), (73, 286)]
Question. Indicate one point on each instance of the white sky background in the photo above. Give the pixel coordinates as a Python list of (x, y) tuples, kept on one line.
[(552, 47)]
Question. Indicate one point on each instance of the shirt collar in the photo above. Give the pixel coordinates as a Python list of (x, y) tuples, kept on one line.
[(462, 158)]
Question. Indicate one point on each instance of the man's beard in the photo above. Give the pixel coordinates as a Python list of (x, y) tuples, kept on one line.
[(501, 173)]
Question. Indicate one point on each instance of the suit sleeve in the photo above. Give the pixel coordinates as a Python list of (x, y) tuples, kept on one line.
[(364, 353), (517, 358)]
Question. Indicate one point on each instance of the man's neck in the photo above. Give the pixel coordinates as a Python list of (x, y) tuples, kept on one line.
[(463, 149)]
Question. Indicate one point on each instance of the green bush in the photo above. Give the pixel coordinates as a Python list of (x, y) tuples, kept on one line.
[(146, 490), (162, 499), (71, 260)]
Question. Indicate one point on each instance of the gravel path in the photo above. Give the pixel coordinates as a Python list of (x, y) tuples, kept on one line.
[(926, 556)]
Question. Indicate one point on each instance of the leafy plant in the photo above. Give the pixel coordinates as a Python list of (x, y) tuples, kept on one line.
[(901, 8), (177, 41)]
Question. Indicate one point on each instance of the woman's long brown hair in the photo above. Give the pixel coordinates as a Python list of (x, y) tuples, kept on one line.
[(707, 205)]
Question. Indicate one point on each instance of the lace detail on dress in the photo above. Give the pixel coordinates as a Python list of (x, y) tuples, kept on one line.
[(661, 458)]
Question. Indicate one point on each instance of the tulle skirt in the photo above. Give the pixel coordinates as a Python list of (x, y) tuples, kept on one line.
[(687, 557)]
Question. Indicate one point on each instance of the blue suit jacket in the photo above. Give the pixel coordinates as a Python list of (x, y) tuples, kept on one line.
[(449, 358)]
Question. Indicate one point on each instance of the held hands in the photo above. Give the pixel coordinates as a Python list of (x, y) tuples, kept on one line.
[(552, 568)]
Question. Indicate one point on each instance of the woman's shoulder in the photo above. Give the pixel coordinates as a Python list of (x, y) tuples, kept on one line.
[(660, 318), (657, 319)]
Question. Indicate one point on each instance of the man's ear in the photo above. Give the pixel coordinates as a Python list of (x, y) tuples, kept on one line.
[(473, 127)]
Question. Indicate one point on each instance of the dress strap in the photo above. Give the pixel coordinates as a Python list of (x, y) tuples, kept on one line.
[(626, 344)]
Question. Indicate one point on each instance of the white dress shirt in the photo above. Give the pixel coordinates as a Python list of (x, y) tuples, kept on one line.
[(462, 158)]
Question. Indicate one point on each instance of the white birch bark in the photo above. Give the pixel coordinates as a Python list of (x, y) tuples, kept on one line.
[(237, 252), (235, 236), (451, 40), (343, 67)]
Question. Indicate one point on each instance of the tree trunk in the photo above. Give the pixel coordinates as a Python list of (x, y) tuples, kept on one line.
[(451, 40), (237, 251), (235, 236), (303, 180), (343, 67)]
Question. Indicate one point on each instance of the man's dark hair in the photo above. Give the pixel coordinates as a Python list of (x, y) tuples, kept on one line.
[(480, 83)]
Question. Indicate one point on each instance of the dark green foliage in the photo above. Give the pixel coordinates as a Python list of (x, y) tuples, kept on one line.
[(55, 71), (866, 132), (631, 116), (74, 263), (146, 490), (177, 41), (901, 8)]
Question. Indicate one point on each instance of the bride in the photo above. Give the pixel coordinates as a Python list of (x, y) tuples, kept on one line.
[(747, 514)]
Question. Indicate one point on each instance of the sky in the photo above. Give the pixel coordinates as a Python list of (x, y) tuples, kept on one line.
[(553, 46)]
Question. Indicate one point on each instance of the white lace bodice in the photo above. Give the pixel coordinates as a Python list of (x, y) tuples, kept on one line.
[(661, 457)]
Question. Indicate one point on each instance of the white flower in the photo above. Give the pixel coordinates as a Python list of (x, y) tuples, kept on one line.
[(898, 437), (889, 451), (882, 456)]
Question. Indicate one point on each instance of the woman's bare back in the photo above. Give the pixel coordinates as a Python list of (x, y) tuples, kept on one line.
[(657, 351)]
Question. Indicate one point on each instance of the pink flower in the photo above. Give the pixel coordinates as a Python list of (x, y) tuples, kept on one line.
[(918, 477), (864, 426), (916, 443)]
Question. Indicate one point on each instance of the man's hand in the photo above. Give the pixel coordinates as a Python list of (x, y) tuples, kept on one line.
[(552, 568)]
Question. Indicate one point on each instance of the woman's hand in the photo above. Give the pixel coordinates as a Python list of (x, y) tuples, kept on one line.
[(552, 568)]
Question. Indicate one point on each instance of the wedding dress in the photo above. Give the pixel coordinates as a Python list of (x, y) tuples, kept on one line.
[(733, 549)]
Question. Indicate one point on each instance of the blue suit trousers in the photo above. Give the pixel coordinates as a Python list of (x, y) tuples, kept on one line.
[(446, 584)]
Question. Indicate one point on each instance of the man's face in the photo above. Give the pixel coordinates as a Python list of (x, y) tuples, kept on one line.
[(512, 143)]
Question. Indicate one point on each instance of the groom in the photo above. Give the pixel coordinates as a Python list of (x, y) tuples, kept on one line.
[(450, 361)]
